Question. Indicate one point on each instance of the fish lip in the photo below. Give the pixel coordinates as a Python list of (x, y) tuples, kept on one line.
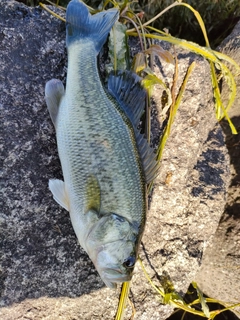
[(112, 283), (111, 280)]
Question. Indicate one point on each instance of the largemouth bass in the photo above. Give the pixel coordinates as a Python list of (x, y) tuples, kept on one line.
[(106, 163)]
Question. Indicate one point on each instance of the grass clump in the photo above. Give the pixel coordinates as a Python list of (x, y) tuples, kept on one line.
[(219, 18)]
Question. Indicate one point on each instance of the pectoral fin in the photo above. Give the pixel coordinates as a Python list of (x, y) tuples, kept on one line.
[(92, 208), (93, 194), (54, 92), (57, 188)]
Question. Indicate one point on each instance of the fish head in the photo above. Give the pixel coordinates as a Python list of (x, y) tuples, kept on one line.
[(112, 245)]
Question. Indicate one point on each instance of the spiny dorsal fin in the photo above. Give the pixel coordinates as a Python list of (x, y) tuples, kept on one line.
[(126, 88)]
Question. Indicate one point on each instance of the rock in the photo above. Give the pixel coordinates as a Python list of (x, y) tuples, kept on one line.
[(44, 272), (219, 276), (231, 47)]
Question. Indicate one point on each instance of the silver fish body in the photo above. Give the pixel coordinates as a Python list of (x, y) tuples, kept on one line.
[(104, 186)]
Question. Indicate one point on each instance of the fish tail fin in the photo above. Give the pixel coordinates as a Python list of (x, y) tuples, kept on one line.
[(81, 24)]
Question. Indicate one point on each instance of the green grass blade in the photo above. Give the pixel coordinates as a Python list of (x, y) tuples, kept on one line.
[(218, 102), (149, 279), (173, 111), (122, 304), (202, 300), (52, 13)]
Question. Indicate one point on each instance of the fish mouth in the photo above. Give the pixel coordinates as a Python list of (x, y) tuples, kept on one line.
[(111, 277)]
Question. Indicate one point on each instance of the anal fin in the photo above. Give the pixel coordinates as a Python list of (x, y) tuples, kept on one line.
[(54, 91)]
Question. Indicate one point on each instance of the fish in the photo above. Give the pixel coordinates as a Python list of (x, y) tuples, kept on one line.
[(106, 162)]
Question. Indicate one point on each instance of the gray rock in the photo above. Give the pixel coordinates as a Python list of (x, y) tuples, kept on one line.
[(231, 47), (44, 272), (219, 276)]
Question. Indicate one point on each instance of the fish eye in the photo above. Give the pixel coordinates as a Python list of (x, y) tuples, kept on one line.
[(129, 262)]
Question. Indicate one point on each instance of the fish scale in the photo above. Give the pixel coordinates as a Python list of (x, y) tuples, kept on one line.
[(105, 161), (84, 126)]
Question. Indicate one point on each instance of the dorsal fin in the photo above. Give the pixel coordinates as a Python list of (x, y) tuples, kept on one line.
[(126, 88), (148, 157)]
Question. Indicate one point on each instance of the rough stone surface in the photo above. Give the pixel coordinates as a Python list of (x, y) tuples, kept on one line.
[(44, 272), (231, 47), (219, 276)]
